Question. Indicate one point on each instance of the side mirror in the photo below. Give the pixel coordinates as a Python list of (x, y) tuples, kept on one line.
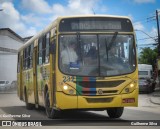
[(53, 48)]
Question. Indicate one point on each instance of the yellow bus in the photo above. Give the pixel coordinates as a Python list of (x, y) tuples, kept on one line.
[(80, 63)]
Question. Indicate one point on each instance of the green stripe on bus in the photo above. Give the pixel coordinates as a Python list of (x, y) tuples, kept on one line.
[(78, 87)]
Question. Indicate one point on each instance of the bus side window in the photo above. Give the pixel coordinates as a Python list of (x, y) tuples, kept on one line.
[(40, 51), (47, 47), (24, 58), (43, 49), (30, 58), (25, 53)]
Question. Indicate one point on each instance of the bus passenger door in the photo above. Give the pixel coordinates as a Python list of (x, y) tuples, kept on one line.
[(35, 75)]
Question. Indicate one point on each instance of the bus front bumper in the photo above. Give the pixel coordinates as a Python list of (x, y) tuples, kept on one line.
[(64, 101)]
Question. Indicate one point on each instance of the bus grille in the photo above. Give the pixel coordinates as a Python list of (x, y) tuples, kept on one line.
[(89, 86), (97, 88), (104, 84), (95, 92)]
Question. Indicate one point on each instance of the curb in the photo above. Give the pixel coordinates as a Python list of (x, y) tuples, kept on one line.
[(153, 101)]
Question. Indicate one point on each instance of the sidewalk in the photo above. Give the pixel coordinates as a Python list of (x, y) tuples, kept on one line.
[(155, 96)]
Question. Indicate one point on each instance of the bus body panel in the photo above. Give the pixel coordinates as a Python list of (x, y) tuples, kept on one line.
[(35, 73), (29, 85), (43, 79), (66, 101), (30, 88), (19, 87), (19, 75), (94, 102), (134, 95), (52, 69)]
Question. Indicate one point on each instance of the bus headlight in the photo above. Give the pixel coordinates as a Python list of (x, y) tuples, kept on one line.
[(68, 90), (130, 88), (65, 87)]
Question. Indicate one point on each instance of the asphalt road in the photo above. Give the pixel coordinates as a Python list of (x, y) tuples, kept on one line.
[(11, 105)]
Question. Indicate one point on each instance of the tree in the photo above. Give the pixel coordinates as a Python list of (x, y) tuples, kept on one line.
[(148, 56)]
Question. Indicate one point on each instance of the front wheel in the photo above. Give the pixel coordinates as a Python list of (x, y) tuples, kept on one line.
[(115, 112), (51, 113)]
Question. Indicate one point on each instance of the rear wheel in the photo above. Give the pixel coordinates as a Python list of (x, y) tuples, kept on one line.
[(51, 113), (29, 106), (115, 112)]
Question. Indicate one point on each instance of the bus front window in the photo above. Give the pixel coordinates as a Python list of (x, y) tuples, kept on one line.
[(117, 55), (96, 55), (78, 55)]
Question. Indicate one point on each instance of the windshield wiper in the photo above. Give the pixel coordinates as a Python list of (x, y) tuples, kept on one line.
[(111, 43), (108, 46), (113, 39)]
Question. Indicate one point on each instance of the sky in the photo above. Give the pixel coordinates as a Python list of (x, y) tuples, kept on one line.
[(28, 17)]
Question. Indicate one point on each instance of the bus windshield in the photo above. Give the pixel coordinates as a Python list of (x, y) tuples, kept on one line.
[(97, 55)]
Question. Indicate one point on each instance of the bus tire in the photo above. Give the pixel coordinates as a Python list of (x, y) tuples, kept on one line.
[(51, 113), (115, 112), (29, 106)]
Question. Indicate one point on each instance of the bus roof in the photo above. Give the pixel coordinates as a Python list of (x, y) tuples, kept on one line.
[(54, 23), (110, 16)]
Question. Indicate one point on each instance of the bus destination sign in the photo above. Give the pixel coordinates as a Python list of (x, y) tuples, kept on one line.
[(95, 24)]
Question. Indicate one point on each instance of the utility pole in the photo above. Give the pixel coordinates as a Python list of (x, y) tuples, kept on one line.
[(158, 59), (157, 18)]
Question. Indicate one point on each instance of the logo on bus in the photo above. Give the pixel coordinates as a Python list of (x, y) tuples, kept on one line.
[(100, 91)]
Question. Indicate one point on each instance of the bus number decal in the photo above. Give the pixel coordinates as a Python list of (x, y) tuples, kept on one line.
[(68, 78)]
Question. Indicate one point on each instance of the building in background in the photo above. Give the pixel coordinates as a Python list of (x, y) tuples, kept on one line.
[(10, 42)]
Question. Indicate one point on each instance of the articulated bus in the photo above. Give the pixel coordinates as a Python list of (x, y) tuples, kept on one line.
[(80, 63)]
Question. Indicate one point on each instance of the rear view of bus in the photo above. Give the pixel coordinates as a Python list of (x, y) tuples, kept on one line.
[(96, 66)]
